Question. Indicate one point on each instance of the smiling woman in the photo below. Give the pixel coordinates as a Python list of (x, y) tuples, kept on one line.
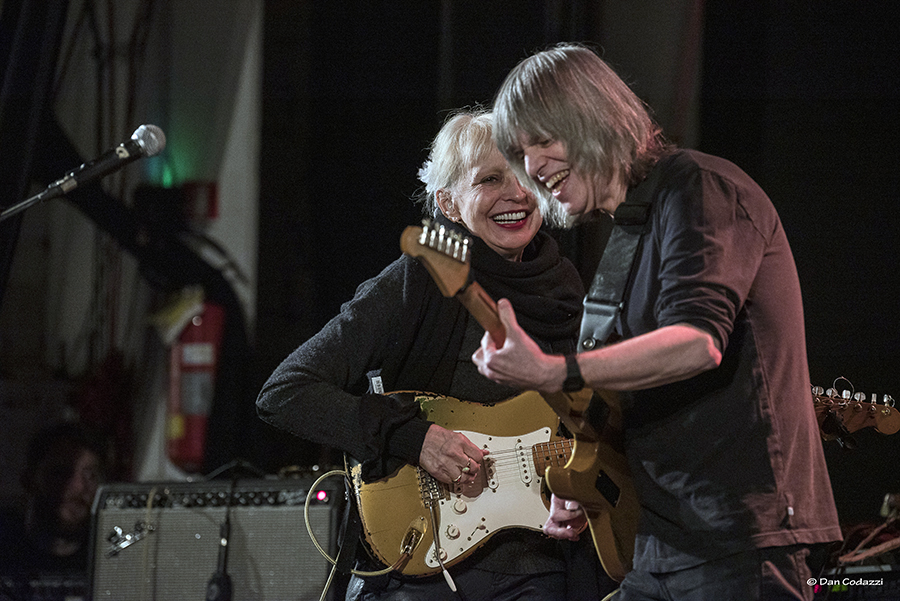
[(399, 333), (491, 203), (482, 192)]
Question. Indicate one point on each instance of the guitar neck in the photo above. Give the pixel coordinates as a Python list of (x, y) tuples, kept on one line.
[(554, 453), (445, 255), (484, 310)]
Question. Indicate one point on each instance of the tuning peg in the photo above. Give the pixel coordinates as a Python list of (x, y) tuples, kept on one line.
[(859, 397), (818, 390)]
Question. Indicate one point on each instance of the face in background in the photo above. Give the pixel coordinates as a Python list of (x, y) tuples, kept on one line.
[(63, 489), (489, 200), (74, 510)]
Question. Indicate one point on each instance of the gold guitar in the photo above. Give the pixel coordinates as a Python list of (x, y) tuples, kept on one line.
[(597, 474), (520, 434)]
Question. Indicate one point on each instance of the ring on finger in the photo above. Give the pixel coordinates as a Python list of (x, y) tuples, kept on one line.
[(458, 478), (466, 469)]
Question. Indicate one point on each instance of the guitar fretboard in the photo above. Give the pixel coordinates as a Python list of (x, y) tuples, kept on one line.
[(554, 453)]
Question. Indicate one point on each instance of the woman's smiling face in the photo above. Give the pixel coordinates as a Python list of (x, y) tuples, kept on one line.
[(493, 205)]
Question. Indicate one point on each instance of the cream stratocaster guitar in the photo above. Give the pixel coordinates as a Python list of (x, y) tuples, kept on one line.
[(596, 474), (508, 493), (842, 412)]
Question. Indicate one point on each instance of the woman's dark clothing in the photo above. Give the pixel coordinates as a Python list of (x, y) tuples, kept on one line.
[(399, 326)]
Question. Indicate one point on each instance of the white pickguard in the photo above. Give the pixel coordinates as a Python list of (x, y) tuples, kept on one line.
[(506, 494)]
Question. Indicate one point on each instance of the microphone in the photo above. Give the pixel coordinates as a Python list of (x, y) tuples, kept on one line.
[(146, 141)]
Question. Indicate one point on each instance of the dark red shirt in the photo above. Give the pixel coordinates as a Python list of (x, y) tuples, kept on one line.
[(731, 459)]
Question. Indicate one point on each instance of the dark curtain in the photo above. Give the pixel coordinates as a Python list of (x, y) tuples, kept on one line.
[(30, 34)]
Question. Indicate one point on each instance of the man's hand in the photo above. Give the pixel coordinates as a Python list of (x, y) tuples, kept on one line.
[(449, 456), (519, 363), (566, 521)]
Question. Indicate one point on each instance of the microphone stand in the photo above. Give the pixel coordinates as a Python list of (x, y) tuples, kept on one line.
[(51, 192), (219, 587)]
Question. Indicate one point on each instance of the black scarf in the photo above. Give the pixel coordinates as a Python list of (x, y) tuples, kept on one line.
[(544, 288)]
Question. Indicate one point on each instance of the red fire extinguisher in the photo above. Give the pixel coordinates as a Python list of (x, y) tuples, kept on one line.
[(193, 361)]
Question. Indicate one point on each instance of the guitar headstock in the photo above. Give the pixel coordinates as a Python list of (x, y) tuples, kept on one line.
[(854, 410), (443, 252)]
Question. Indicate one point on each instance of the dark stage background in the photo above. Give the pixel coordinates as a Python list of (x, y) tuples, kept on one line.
[(803, 96)]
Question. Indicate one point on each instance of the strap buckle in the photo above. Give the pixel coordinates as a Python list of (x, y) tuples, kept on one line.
[(597, 323)]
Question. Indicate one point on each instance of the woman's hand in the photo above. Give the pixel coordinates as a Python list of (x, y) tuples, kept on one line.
[(450, 457), (566, 521)]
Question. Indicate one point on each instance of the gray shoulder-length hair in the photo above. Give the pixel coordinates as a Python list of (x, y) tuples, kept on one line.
[(568, 93), (464, 140)]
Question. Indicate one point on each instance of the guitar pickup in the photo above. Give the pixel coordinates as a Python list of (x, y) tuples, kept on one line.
[(609, 489)]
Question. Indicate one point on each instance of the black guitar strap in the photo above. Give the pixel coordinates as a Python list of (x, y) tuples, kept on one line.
[(606, 295)]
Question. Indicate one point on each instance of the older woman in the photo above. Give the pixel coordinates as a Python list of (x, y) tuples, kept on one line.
[(401, 329)]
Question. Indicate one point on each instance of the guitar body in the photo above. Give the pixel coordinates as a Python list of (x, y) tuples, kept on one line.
[(596, 474), (598, 477), (507, 493)]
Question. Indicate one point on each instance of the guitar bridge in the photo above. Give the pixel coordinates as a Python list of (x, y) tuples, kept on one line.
[(430, 489)]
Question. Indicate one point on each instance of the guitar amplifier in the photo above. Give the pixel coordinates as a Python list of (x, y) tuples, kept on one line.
[(163, 541), (859, 583)]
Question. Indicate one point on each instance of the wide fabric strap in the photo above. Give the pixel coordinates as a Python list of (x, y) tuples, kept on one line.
[(606, 295)]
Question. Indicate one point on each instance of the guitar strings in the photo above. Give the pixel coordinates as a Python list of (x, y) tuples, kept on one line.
[(506, 463), (509, 461), (553, 452), (553, 449)]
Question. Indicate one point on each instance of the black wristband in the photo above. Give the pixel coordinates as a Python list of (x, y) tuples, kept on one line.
[(573, 382)]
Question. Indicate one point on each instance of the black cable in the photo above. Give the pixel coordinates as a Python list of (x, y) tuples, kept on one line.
[(219, 587), (234, 465)]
